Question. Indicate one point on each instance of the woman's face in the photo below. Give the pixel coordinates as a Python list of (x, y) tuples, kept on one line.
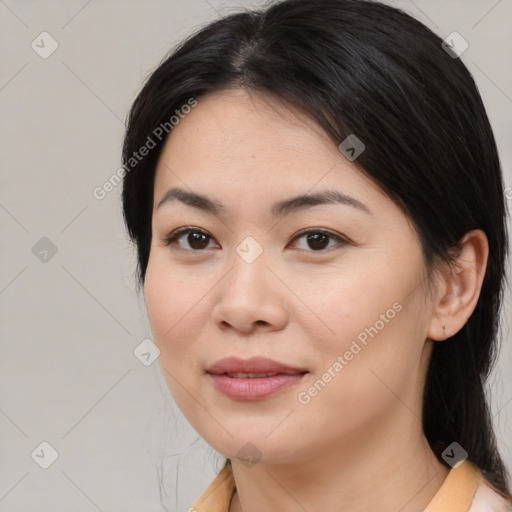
[(334, 290)]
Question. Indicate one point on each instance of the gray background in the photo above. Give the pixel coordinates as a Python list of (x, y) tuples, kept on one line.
[(70, 323)]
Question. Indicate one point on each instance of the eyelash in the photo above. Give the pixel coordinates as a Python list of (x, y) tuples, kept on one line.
[(178, 233)]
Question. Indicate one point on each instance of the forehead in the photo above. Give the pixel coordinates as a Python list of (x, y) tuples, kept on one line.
[(236, 139)]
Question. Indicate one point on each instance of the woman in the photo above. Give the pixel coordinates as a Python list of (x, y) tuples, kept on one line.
[(317, 203)]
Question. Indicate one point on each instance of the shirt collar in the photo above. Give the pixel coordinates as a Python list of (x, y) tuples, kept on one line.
[(455, 494)]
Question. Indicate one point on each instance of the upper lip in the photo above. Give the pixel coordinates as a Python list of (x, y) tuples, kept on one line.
[(252, 365)]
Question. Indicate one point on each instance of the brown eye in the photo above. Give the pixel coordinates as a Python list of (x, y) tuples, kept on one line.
[(196, 239), (318, 240)]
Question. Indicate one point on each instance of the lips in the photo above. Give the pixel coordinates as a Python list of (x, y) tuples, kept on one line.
[(240, 375), (255, 367), (253, 379)]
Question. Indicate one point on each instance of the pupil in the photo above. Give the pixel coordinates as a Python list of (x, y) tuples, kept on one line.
[(317, 238)]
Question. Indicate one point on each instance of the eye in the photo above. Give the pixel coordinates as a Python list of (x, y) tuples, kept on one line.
[(318, 239), (197, 239)]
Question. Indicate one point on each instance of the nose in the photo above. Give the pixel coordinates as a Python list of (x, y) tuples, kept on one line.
[(250, 297)]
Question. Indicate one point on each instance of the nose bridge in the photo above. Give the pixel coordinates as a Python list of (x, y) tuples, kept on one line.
[(246, 296), (249, 249), (249, 265)]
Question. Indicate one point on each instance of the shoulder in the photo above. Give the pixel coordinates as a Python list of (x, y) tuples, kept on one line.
[(486, 499), (217, 496)]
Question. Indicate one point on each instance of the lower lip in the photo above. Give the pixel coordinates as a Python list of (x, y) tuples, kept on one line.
[(254, 389)]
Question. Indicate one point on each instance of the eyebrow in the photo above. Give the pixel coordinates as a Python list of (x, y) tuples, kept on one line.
[(279, 209)]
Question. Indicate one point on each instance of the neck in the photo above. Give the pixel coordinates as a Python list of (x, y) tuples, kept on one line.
[(384, 468)]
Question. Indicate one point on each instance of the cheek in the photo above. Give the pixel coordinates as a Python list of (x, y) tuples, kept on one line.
[(360, 383), (374, 342), (173, 308), (344, 303), (173, 305)]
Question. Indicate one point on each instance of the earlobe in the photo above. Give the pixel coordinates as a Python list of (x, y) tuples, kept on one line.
[(460, 287)]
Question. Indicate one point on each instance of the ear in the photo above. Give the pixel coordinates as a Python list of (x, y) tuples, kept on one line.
[(459, 287)]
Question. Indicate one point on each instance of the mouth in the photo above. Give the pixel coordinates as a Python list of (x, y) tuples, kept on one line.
[(253, 379), (240, 375), (255, 367)]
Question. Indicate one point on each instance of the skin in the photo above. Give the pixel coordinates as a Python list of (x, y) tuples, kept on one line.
[(358, 444)]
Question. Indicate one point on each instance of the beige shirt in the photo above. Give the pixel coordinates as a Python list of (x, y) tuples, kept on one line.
[(464, 490)]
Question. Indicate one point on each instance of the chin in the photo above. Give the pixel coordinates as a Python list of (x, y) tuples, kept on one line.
[(254, 449)]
